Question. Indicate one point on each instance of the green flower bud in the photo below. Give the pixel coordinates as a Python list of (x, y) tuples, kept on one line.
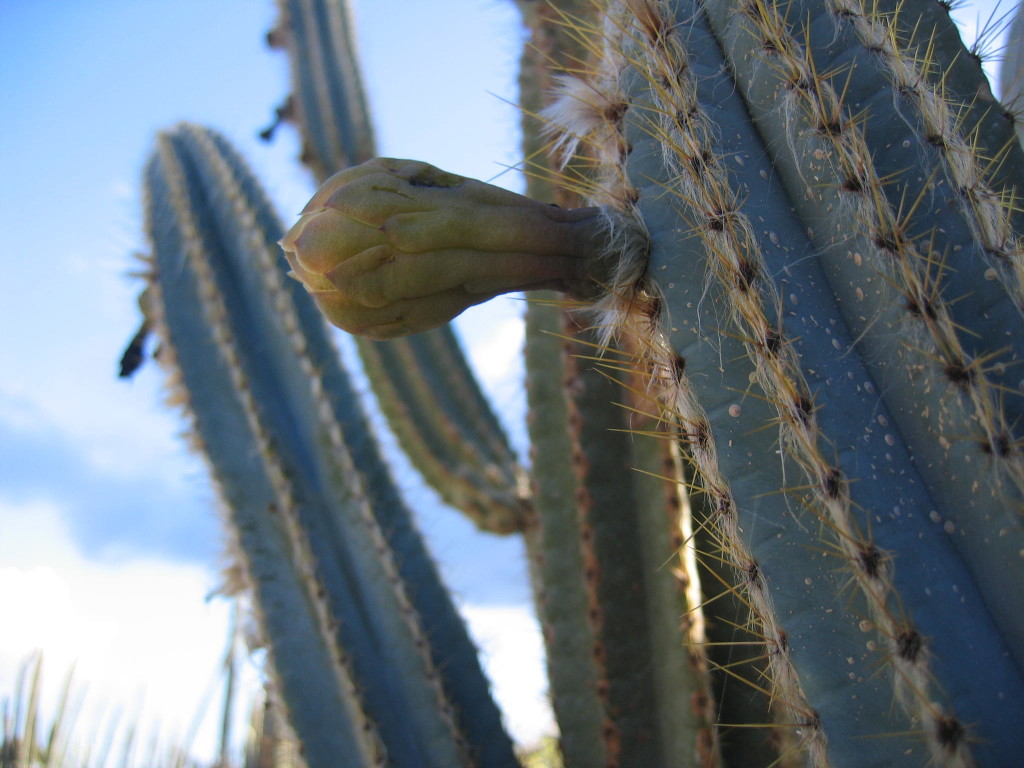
[(393, 247)]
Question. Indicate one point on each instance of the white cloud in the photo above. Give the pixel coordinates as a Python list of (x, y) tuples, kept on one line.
[(144, 631), (137, 632), (512, 651)]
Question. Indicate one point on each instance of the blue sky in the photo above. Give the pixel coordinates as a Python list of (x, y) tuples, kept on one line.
[(108, 539)]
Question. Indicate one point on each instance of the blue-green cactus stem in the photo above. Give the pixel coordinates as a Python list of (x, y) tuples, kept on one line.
[(940, 338), (289, 608), (556, 561), (630, 537), (605, 557), (328, 101), (371, 656), (458, 389), (827, 83), (446, 428), (603, 544), (738, 286)]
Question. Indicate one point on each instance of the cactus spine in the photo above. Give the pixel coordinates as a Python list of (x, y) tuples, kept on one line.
[(605, 540)]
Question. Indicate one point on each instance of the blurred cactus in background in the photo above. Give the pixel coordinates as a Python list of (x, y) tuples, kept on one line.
[(773, 508)]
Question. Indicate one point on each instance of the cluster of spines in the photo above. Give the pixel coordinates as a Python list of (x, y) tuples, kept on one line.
[(817, 107), (607, 594), (634, 577), (593, 137), (969, 162), (590, 112), (909, 259)]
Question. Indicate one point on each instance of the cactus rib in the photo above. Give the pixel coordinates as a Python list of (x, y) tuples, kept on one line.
[(456, 445), (625, 684), (283, 598)]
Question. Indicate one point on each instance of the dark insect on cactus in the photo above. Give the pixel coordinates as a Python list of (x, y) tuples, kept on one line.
[(774, 509)]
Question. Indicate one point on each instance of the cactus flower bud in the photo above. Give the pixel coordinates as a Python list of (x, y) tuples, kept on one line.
[(393, 247)]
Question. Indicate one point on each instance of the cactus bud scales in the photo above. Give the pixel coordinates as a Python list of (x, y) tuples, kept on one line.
[(809, 248), (393, 247)]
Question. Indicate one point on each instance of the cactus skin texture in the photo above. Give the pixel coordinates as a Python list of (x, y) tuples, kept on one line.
[(840, 336), (446, 426), (372, 660), (605, 541), (328, 100)]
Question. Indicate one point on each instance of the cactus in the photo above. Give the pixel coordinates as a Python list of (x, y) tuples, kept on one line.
[(369, 653), (833, 285), (774, 513)]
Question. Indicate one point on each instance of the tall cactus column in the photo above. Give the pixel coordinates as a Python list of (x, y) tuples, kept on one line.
[(373, 662), (328, 101), (827, 496), (604, 543)]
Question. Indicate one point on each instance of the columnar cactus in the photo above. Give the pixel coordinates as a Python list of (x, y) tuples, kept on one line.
[(798, 220), (834, 281), (370, 656)]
